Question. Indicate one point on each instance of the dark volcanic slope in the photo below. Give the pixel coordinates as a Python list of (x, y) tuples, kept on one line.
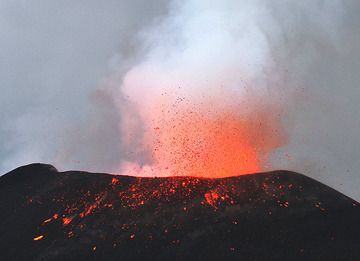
[(47, 215)]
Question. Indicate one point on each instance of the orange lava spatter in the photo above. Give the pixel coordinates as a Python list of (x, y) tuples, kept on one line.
[(182, 195), (203, 141)]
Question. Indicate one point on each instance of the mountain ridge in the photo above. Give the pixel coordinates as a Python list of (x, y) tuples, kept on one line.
[(76, 215)]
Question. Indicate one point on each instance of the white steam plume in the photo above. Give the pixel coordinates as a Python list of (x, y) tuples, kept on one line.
[(302, 55)]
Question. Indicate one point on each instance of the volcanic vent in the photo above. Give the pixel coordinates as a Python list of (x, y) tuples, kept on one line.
[(48, 215)]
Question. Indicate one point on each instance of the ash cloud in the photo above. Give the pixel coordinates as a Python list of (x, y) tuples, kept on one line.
[(318, 46), (56, 105), (70, 87)]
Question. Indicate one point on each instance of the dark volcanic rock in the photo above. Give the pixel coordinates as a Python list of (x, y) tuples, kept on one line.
[(48, 215)]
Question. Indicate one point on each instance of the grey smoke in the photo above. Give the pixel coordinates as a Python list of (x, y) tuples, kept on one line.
[(62, 66), (319, 47), (54, 59)]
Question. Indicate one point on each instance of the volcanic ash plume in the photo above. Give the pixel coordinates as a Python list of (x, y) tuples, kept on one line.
[(206, 93), (189, 87)]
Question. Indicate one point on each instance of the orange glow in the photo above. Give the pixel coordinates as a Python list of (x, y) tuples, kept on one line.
[(67, 221), (203, 141), (152, 193), (211, 197), (114, 181), (38, 238)]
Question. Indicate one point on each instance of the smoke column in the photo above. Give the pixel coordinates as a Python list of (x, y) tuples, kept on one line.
[(279, 76), (206, 92), (55, 104)]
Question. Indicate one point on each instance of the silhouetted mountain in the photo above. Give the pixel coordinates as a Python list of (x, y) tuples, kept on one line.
[(280, 215)]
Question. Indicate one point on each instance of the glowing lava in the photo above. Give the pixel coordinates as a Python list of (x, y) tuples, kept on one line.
[(38, 238), (210, 141)]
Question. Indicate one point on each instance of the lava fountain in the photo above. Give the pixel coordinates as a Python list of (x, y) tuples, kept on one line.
[(208, 140)]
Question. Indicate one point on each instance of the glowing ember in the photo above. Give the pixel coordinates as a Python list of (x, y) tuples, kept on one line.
[(47, 220), (67, 221), (211, 197), (38, 238), (114, 181)]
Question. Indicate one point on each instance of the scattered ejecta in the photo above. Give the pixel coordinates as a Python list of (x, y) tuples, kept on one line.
[(179, 109), (279, 215)]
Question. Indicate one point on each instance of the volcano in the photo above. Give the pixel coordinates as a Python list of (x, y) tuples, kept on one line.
[(280, 215)]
